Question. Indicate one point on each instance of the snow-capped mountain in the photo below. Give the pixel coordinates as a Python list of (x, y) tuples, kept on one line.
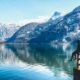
[(66, 28), (55, 15), (23, 34), (63, 28), (6, 31)]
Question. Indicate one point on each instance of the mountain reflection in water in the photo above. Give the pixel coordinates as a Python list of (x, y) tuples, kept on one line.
[(31, 62)]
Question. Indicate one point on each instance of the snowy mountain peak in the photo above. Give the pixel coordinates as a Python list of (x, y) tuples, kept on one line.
[(55, 15), (77, 9)]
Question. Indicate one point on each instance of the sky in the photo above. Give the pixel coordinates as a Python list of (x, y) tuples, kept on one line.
[(17, 11)]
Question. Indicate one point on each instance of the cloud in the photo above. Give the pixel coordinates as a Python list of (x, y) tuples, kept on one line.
[(39, 19)]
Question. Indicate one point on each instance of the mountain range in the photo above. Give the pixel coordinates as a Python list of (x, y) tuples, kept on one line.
[(62, 29), (7, 30)]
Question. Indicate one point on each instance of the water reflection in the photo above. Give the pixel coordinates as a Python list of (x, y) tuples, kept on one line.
[(43, 58)]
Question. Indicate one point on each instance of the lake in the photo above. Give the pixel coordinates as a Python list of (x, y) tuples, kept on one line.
[(31, 62)]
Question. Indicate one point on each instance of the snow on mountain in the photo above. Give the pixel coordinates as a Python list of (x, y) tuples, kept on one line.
[(23, 34), (7, 31), (63, 28), (77, 9), (55, 15), (59, 29)]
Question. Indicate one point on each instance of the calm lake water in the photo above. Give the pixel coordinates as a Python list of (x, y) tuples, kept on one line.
[(30, 62)]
